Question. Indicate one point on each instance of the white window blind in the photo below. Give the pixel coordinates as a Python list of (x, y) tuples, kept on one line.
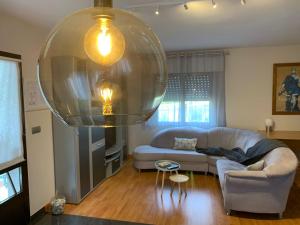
[(189, 87), (11, 144)]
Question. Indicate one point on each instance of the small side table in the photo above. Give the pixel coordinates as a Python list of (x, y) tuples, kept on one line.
[(179, 178), (163, 166)]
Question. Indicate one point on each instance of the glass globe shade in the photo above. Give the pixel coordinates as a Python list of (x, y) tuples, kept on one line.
[(102, 67)]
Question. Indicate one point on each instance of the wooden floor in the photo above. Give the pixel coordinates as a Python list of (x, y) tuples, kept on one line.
[(131, 196)]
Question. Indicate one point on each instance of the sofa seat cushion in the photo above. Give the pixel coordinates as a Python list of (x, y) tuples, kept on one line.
[(146, 152), (224, 165), (212, 160)]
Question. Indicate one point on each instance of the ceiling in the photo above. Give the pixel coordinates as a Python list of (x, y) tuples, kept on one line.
[(258, 23)]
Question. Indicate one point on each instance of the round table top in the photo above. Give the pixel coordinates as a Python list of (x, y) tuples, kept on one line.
[(179, 178), (163, 165)]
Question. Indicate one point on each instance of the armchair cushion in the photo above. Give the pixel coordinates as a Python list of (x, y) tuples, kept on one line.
[(256, 166), (225, 165)]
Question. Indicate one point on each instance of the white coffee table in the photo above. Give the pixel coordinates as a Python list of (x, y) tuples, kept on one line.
[(179, 179), (159, 166)]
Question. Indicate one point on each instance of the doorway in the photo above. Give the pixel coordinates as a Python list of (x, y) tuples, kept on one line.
[(14, 197)]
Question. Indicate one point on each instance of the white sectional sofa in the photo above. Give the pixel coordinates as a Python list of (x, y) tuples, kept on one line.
[(162, 144), (264, 191)]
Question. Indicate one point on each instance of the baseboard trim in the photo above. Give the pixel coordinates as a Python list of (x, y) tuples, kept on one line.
[(36, 216)]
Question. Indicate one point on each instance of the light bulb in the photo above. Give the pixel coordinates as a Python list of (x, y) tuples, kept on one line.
[(157, 10), (214, 4), (104, 43), (106, 94)]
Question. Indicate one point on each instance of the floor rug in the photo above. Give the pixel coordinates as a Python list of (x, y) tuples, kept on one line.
[(77, 220)]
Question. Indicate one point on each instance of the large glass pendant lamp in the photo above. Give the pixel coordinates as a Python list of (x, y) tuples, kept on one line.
[(102, 67)]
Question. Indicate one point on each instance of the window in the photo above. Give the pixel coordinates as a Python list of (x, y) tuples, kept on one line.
[(195, 94), (168, 112), (197, 111), (10, 184), (187, 99)]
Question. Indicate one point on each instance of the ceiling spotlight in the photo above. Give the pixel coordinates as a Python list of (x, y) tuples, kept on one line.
[(186, 7), (157, 10), (214, 4), (243, 2)]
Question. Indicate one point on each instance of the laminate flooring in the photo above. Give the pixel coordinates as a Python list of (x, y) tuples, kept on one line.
[(130, 196)]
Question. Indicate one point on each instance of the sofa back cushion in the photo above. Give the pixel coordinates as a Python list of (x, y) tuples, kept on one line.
[(230, 138), (185, 143), (166, 138)]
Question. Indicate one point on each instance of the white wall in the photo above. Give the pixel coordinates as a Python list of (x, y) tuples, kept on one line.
[(249, 83), (139, 135), (248, 77), (24, 39)]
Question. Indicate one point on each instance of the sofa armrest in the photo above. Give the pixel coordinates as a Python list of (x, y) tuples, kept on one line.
[(242, 181), (246, 174)]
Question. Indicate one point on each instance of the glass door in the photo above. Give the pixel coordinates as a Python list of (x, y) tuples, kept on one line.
[(14, 199)]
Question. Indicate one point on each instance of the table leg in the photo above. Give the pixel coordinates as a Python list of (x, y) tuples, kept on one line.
[(172, 188), (157, 175), (185, 190), (179, 192), (162, 182), (179, 188)]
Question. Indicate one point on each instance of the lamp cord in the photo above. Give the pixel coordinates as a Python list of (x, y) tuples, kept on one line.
[(103, 3)]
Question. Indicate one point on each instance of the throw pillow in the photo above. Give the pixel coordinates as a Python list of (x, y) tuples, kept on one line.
[(256, 166), (185, 143)]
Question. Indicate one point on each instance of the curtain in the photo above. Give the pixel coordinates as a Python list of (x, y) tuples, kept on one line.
[(195, 94), (11, 145)]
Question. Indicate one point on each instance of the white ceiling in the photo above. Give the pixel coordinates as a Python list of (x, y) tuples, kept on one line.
[(259, 23)]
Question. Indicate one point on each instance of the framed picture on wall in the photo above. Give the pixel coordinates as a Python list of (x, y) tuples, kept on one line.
[(286, 89)]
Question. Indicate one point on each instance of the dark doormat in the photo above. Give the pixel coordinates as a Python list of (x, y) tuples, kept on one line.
[(77, 220)]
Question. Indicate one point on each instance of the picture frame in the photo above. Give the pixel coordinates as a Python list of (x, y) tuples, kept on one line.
[(286, 89)]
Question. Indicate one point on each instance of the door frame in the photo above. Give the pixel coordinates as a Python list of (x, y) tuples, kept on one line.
[(16, 209)]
